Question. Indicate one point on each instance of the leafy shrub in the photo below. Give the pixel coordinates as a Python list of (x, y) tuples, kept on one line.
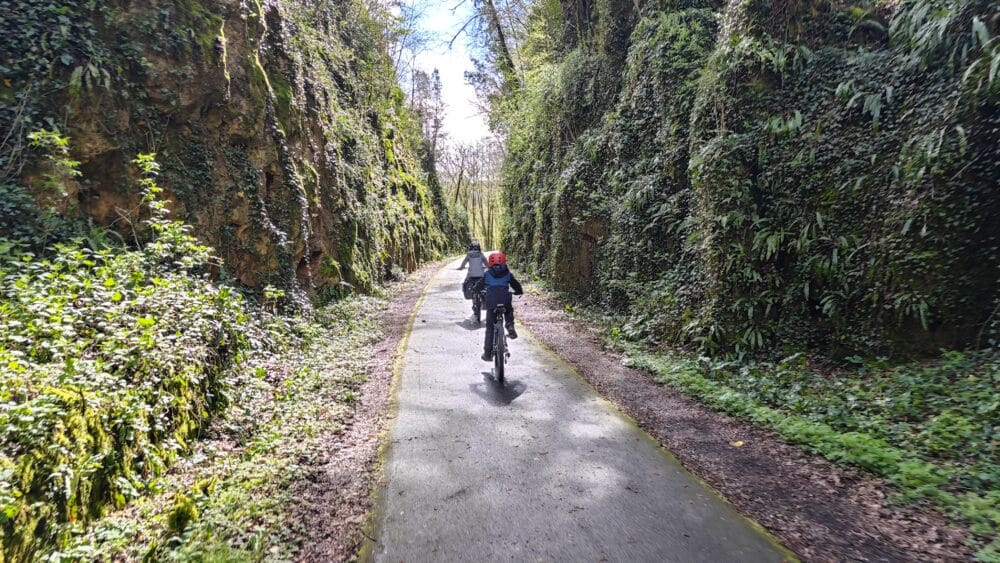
[(295, 393), (945, 431), (110, 361)]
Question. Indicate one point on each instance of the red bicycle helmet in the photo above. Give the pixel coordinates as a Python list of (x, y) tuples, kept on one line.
[(497, 259)]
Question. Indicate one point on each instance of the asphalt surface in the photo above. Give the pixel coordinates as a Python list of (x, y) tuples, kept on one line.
[(541, 469)]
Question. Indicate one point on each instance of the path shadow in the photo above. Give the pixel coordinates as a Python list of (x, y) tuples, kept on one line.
[(495, 394), (469, 324), (446, 288)]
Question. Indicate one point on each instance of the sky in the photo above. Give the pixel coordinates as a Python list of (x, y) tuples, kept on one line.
[(463, 122)]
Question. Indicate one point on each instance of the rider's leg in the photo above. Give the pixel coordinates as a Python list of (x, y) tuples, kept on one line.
[(488, 345), (509, 320), (475, 287)]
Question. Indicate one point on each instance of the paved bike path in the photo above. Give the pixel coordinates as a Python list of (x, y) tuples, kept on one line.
[(543, 469)]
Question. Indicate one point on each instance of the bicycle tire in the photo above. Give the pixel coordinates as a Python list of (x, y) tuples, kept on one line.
[(499, 353)]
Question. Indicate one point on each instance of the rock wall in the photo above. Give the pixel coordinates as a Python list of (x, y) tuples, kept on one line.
[(280, 129), (768, 176)]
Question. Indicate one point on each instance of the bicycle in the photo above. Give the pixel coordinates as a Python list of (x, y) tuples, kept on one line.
[(500, 352)]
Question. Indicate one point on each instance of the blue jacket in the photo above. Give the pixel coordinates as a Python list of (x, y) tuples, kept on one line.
[(498, 281)]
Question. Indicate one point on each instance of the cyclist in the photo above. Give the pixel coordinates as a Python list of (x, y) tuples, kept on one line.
[(477, 264), (499, 280)]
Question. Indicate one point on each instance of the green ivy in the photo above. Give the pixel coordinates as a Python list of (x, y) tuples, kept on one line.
[(794, 179)]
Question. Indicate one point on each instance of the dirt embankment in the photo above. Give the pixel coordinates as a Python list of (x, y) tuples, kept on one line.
[(336, 500)]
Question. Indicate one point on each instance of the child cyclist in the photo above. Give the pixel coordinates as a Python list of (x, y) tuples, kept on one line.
[(477, 265), (499, 280)]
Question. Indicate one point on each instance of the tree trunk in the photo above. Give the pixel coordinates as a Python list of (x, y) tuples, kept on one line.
[(576, 20), (506, 62), (458, 183)]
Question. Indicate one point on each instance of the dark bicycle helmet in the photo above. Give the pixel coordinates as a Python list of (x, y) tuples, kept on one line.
[(474, 245)]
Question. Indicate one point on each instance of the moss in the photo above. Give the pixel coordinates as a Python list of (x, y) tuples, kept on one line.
[(331, 268), (201, 25), (283, 99), (184, 513), (729, 175), (223, 44)]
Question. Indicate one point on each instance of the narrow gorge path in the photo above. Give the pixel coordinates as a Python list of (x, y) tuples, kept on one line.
[(540, 469)]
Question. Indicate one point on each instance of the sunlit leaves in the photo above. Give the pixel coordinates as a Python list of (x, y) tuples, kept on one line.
[(109, 360)]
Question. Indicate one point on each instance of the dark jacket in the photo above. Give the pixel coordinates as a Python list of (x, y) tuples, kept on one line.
[(498, 281)]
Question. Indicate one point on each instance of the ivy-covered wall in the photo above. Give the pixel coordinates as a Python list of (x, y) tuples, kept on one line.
[(776, 176), (279, 125)]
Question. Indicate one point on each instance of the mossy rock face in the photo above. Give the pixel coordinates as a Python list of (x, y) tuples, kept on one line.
[(93, 449), (276, 124), (281, 138), (765, 178)]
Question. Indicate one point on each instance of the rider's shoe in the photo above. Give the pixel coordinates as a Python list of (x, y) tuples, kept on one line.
[(487, 357), (511, 333)]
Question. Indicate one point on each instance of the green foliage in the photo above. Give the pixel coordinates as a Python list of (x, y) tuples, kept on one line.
[(38, 220), (51, 47), (183, 514), (929, 428), (111, 360), (296, 392), (770, 180), (56, 149), (944, 431), (172, 245)]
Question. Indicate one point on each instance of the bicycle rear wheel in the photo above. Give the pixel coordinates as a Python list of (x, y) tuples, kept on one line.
[(499, 353)]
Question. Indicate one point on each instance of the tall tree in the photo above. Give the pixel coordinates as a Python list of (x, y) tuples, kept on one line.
[(405, 40), (427, 103), (498, 38), (496, 30), (470, 173)]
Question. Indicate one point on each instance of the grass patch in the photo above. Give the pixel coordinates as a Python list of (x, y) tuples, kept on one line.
[(928, 428)]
